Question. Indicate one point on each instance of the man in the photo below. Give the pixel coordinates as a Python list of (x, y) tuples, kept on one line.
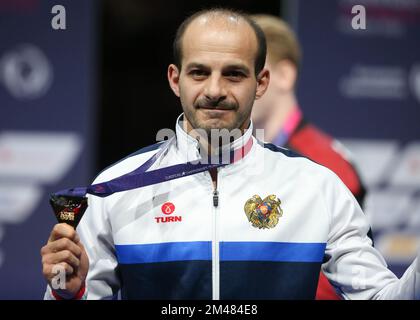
[(232, 233), (278, 113)]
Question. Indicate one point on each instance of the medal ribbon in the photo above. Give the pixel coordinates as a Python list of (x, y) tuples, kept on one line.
[(140, 177)]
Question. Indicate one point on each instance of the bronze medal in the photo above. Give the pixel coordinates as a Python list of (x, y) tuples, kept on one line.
[(69, 209)]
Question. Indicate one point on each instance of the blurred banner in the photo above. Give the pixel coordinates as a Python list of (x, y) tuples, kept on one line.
[(46, 125), (360, 81)]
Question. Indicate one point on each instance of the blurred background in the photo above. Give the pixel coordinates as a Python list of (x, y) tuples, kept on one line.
[(75, 100)]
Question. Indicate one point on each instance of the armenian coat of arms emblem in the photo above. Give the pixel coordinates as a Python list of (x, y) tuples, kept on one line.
[(263, 214)]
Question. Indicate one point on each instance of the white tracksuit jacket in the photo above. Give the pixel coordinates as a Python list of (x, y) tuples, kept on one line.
[(172, 241)]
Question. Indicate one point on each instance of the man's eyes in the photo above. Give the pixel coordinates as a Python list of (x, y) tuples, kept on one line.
[(198, 73), (231, 75), (234, 74)]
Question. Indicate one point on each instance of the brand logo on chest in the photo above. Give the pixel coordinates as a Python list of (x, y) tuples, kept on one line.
[(168, 208)]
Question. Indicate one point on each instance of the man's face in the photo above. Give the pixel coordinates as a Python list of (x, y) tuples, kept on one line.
[(217, 85)]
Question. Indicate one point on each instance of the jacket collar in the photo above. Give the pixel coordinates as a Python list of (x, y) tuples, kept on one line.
[(189, 149)]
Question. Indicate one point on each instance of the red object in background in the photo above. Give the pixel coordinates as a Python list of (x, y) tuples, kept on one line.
[(325, 290), (311, 142)]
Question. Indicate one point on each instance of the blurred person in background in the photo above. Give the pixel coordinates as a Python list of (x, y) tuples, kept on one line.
[(279, 114)]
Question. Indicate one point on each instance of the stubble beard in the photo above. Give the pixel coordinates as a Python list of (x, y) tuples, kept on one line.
[(212, 126)]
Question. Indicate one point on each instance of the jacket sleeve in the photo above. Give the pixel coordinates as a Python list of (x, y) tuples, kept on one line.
[(102, 281), (353, 265)]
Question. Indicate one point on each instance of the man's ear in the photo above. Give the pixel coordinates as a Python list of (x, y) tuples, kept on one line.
[(263, 79), (173, 78)]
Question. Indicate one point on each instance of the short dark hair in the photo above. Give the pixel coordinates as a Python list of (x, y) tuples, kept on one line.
[(261, 42)]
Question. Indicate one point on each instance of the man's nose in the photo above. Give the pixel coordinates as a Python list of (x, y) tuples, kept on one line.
[(215, 88)]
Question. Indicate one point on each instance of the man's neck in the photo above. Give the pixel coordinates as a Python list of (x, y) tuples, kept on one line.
[(278, 117), (206, 142)]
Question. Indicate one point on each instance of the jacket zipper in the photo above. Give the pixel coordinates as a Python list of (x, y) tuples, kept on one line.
[(215, 247)]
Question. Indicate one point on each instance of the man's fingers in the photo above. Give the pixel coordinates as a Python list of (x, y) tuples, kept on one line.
[(52, 270), (63, 244), (63, 230), (61, 256), (80, 245), (68, 268)]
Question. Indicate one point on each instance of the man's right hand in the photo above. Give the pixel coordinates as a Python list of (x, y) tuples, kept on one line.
[(64, 250)]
